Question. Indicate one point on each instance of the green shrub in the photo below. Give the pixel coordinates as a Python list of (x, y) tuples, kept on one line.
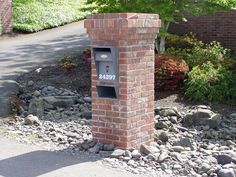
[(36, 15), (209, 82), (180, 42), (201, 53)]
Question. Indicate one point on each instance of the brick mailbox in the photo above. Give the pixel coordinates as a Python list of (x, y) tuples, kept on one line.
[(123, 77), (5, 16)]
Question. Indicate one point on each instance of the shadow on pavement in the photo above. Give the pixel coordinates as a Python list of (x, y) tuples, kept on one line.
[(26, 56), (36, 163)]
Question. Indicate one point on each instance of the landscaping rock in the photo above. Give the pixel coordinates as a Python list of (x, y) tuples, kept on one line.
[(205, 167), (163, 156), (205, 147), (224, 159), (178, 148), (185, 142), (135, 154), (87, 115), (30, 83), (144, 149), (202, 117), (108, 147), (36, 107), (226, 173), (32, 120), (163, 136), (60, 101), (168, 112), (118, 153)]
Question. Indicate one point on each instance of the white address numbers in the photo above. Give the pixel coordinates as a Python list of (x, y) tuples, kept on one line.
[(107, 77)]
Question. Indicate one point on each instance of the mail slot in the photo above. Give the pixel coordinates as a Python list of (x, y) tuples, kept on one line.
[(106, 63), (105, 91)]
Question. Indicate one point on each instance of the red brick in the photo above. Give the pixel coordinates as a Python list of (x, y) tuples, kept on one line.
[(6, 16), (219, 27), (112, 137), (105, 130), (124, 121)]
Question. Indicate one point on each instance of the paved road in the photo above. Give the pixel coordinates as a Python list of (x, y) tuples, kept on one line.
[(20, 160), (23, 53)]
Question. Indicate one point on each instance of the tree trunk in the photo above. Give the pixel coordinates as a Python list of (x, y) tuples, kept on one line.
[(161, 43)]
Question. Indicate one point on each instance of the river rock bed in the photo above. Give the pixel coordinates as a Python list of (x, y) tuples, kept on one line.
[(197, 142), (190, 142)]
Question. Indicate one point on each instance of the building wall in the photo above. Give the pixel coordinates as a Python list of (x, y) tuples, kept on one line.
[(5, 16), (220, 27)]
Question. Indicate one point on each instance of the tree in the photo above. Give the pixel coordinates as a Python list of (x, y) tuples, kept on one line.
[(170, 11)]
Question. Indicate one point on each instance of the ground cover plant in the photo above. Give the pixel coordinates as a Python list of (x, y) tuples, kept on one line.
[(36, 15)]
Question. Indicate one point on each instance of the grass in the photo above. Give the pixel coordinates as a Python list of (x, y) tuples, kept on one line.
[(35, 15)]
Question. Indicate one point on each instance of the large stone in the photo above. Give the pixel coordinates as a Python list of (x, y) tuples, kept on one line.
[(144, 149), (60, 101), (161, 124), (163, 156), (87, 99), (185, 142), (135, 154), (32, 120), (108, 147), (128, 154), (202, 117), (163, 136), (168, 112), (95, 149), (86, 115), (178, 148), (118, 153), (36, 107), (204, 168), (232, 116), (224, 159), (226, 173)]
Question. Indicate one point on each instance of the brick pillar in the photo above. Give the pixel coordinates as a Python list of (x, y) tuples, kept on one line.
[(127, 121), (5, 16)]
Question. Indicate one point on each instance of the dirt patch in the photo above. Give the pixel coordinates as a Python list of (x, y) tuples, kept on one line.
[(59, 77), (179, 100)]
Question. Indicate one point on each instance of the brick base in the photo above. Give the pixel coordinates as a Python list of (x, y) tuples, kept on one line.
[(129, 120), (5, 16)]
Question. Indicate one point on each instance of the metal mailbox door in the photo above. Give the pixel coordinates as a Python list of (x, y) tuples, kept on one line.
[(106, 63)]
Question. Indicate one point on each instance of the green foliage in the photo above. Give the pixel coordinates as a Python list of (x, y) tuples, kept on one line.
[(180, 42), (35, 15), (169, 10), (209, 82), (213, 74), (199, 53)]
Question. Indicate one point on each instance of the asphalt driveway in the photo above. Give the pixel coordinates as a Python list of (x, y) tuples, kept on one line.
[(25, 52)]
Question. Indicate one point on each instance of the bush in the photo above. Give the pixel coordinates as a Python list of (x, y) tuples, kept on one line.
[(170, 71), (36, 15), (209, 82), (180, 42), (201, 53)]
